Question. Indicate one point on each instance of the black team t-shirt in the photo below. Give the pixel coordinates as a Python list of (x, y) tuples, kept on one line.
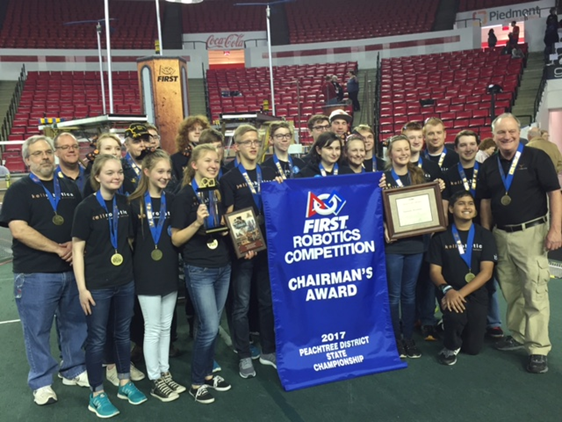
[(451, 158), (195, 251), (443, 251), (27, 201), (379, 164), (130, 181), (298, 165), (91, 225), (179, 163), (313, 170), (154, 278)]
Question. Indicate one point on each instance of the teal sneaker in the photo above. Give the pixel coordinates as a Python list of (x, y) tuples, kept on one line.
[(102, 407), (131, 393), (216, 367)]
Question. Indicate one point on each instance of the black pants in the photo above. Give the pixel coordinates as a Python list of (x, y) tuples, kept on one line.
[(466, 330), (353, 97)]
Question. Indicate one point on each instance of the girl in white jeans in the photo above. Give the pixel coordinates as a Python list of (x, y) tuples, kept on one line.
[(155, 264)]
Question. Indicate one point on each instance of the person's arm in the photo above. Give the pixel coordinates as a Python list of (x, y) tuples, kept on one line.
[(553, 239), (33, 239), (179, 237), (452, 300), (486, 219), (86, 299), (445, 203), (483, 276)]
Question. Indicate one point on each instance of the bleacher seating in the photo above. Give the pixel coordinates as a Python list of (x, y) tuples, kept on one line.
[(333, 20), (457, 82), (253, 85), (40, 24), (467, 5), (222, 16)]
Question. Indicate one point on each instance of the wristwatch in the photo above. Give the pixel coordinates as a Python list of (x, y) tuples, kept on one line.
[(445, 288)]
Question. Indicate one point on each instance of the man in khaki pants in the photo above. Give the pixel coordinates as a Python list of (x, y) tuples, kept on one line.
[(513, 186)]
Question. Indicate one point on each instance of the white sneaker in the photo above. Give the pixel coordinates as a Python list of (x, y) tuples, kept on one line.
[(112, 377), (44, 395), (81, 380)]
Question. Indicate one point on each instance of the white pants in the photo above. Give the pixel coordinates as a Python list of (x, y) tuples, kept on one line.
[(158, 312)]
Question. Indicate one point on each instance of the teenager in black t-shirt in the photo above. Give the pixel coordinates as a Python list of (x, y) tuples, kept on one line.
[(187, 138), (325, 157), (281, 137), (462, 262), (155, 268), (216, 139), (355, 153), (435, 134), (103, 267), (241, 188), (38, 210), (198, 208), (403, 257), (371, 161)]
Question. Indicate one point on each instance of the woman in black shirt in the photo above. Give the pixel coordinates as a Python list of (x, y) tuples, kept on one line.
[(325, 157), (207, 263), (156, 270)]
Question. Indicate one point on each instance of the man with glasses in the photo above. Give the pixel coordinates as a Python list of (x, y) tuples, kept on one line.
[(39, 210), (153, 137), (317, 125), (281, 137), (241, 188), (67, 150)]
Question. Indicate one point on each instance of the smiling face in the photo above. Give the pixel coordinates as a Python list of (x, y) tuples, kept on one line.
[(467, 148), (340, 126), (111, 175), (416, 139), (67, 149), (355, 152), (435, 136), (330, 154), (282, 139), (507, 135), (41, 159), (207, 164), (110, 146), (464, 208), (399, 152), (319, 128), (369, 139), (160, 174)]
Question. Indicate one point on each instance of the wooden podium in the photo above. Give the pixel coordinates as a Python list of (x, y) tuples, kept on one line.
[(164, 95)]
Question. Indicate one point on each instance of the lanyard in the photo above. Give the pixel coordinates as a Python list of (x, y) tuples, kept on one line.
[(280, 168), (466, 255), (323, 170), (472, 187), (397, 178), (155, 230), (113, 219), (213, 211), (508, 180), (134, 165), (54, 199), (441, 158), (420, 162), (255, 194), (80, 180)]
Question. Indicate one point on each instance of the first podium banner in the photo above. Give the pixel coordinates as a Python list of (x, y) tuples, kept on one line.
[(325, 239)]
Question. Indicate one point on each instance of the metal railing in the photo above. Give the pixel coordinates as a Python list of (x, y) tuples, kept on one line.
[(377, 107), (13, 107), (540, 91), (206, 93)]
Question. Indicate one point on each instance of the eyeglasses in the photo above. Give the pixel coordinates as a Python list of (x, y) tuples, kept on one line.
[(280, 136), (250, 143), (322, 128), (67, 147), (37, 154)]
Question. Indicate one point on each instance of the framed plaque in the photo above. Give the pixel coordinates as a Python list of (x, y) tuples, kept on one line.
[(413, 210), (245, 231)]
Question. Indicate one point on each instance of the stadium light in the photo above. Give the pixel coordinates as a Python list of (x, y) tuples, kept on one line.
[(185, 1)]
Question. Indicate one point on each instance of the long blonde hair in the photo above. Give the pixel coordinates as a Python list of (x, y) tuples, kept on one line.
[(197, 152), (148, 163)]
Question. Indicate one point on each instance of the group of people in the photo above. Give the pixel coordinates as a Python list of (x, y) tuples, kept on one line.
[(88, 242), (333, 91)]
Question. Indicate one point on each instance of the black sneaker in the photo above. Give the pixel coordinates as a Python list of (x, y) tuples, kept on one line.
[(429, 333), (507, 344), (202, 394), (401, 350), (538, 364), (494, 332), (447, 356), (163, 392), (412, 350), (218, 383)]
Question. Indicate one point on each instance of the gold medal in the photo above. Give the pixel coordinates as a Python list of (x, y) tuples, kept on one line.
[(156, 254), (116, 259), (58, 220), (469, 277), (506, 200), (213, 244)]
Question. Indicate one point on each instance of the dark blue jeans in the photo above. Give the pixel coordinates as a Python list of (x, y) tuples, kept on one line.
[(208, 289), (113, 305), (240, 286), (402, 274), (39, 296)]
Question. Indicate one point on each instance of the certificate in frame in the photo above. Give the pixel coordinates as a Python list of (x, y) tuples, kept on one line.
[(414, 210), (245, 231)]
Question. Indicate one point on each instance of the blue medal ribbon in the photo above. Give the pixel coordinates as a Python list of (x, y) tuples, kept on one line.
[(397, 178), (155, 229), (472, 186), (79, 181), (113, 219), (508, 180), (212, 207), (466, 255), (280, 167), (323, 170), (420, 162), (133, 165), (441, 158), (255, 194), (54, 199)]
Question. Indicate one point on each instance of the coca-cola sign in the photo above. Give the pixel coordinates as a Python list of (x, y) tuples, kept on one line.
[(227, 42)]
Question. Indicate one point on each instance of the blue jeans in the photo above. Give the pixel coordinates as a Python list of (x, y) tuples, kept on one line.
[(243, 270), (116, 305), (425, 297), (208, 289), (402, 274), (39, 296), (493, 319)]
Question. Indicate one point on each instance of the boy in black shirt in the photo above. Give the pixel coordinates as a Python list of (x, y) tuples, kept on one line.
[(241, 188), (434, 134), (461, 262), (281, 137)]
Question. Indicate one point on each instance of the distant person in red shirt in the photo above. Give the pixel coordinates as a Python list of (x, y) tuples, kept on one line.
[(514, 35), (329, 91)]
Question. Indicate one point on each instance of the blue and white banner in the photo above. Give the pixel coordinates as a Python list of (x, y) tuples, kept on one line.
[(328, 279)]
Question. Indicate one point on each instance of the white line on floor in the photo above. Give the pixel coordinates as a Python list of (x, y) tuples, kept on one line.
[(9, 322)]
